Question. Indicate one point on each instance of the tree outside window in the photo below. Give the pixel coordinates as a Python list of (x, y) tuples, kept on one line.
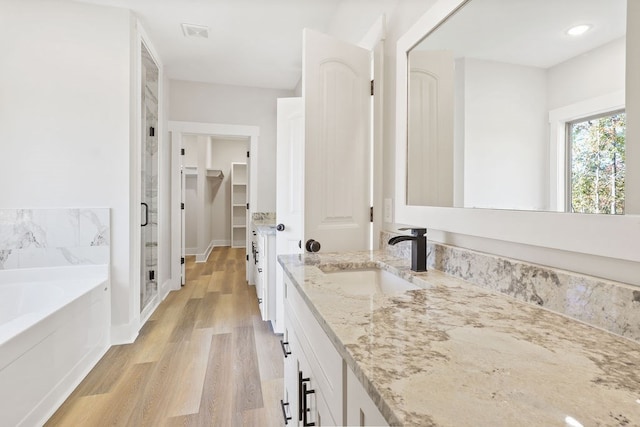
[(597, 148)]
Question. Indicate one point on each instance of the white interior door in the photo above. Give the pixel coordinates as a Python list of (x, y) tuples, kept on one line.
[(336, 88), (290, 185), (290, 175)]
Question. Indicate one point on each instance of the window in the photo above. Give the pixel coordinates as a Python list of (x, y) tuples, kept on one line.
[(596, 154)]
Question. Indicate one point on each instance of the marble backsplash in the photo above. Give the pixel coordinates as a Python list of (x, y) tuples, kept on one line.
[(606, 304), (31, 238)]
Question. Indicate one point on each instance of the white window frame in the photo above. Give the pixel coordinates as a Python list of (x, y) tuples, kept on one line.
[(558, 142)]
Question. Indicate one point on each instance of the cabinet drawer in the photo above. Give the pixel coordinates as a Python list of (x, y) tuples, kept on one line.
[(325, 363)]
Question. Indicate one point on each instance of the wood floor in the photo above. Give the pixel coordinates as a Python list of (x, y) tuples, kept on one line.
[(204, 358)]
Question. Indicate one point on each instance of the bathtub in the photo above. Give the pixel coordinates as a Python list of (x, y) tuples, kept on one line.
[(54, 327)]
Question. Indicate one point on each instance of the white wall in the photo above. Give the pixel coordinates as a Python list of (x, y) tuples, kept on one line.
[(598, 72), (505, 136), (65, 117), (236, 105)]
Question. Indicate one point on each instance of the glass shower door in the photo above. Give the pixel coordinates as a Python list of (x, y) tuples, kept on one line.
[(149, 181)]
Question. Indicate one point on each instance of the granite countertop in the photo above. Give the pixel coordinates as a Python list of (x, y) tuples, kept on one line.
[(454, 354), (265, 228)]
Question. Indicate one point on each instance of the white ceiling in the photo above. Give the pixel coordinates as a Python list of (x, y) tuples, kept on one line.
[(251, 42), (259, 42)]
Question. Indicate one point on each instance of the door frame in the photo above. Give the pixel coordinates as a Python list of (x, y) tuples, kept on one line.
[(177, 129), (138, 318), (374, 40)]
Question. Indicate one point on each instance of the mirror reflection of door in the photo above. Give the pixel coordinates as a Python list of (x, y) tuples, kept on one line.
[(430, 154)]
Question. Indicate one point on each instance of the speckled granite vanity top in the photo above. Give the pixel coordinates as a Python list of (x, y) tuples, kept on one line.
[(454, 354)]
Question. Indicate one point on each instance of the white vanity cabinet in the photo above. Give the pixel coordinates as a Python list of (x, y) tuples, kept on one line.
[(313, 370), (264, 273), (317, 381)]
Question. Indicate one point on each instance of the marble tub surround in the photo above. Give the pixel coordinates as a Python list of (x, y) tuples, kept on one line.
[(32, 238), (606, 304), (454, 354)]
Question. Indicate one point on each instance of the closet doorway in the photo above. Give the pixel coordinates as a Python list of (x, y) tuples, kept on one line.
[(212, 175), (215, 197)]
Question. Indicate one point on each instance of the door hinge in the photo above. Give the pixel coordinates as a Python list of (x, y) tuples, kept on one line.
[(152, 131), (181, 260), (371, 87), (371, 214), (182, 206), (182, 151), (247, 206), (152, 275), (248, 154)]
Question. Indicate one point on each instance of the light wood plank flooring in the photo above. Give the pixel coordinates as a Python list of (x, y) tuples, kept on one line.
[(204, 358)]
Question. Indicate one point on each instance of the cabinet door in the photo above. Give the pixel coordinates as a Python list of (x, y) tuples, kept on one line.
[(261, 275), (324, 360), (290, 398), (361, 411), (313, 407)]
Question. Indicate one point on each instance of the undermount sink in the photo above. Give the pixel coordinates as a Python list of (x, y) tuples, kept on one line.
[(369, 281)]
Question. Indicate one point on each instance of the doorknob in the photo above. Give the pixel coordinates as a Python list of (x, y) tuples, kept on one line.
[(312, 245), (280, 227)]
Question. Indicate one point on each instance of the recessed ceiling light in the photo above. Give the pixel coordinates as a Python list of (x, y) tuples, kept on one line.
[(193, 30), (578, 30)]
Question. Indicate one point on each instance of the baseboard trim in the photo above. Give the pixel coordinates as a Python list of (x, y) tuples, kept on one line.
[(205, 256), (123, 334)]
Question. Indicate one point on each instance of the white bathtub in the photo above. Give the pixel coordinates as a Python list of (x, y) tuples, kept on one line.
[(54, 327)]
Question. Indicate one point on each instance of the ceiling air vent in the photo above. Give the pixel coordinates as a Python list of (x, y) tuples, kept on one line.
[(198, 31)]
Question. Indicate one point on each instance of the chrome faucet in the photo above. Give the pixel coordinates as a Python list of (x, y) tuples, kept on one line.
[(418, 247)]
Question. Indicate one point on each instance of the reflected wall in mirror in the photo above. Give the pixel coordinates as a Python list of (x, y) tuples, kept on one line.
[(493, 92)]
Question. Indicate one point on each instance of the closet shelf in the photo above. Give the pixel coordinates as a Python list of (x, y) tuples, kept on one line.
[(210, 173), (215, 174), (239, 205)]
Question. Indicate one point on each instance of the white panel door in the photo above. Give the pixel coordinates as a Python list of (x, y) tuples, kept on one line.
[(336, 79), (290, 185)]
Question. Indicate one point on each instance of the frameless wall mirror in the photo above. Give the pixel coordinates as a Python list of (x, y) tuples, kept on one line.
[(520, 105)]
